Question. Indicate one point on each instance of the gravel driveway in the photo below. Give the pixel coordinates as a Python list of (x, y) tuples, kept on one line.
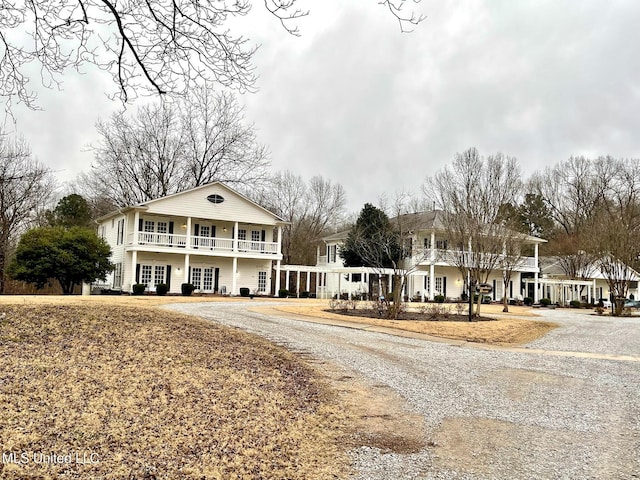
[(527, 413)]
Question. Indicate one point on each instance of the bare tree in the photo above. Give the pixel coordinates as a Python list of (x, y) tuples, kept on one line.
[(574, 191), (147, 46), (25, 189), (168, 148), (471, 192), (311, 208), (615, 241)]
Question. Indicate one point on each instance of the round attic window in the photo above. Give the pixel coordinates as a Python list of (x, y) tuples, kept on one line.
[(215, 198)]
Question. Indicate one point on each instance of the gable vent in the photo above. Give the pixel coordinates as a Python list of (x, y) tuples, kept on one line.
[(215, 198)]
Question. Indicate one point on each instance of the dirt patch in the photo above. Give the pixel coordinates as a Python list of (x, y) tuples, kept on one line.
[(378, 417), (481, 445)]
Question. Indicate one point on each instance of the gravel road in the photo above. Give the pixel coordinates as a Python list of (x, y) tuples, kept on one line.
[(563, 407)]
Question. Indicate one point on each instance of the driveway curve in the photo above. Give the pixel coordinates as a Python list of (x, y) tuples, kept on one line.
[(488, 413)]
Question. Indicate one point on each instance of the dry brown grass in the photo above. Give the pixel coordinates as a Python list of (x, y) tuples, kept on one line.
[(156, 395), (505, 330)]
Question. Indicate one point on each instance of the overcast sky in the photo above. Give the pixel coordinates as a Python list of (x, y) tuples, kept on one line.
[(360, 103)]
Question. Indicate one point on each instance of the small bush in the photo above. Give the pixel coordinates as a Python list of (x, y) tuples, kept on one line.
[(528, 301), (187, 289), (438, 298), (545, 302), (244, 291), (575, 304), (283, 293), (139, 288), (162, 289), (304, 294)]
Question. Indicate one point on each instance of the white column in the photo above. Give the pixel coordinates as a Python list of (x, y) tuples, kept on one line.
[(433, 247), (432, 281), (186, 269), (280, 240), (277, 289), (188, 239), (235, 237), (136, 222), (134, 261), (234, 280), (286, 279), (308, 281), (536, 294), (350, 284)]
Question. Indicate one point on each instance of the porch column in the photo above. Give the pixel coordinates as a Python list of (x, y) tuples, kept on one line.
[(280, 239), (536, 295), (234, 280), (134, 261), (432, 255), (277, 288), (308, 281), (432, 281), (350, 285), (286, 279), (422, 289), (186, 269), (136, 231), (318, 279), (235, 237), (390, 284), (188, 239)]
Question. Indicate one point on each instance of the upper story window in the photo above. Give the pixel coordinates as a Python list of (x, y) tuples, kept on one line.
[(441, 244), (120, 235), (215, 198)]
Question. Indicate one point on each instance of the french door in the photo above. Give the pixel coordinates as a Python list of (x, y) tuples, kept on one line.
[(205, 279)]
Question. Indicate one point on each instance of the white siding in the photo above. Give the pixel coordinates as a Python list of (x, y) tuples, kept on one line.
[(194, 203)]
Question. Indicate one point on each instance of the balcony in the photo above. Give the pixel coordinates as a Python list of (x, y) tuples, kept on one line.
[(205, 245), (425, 256)]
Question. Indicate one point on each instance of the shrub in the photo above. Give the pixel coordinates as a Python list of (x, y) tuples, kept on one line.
[(304, 294), (244, 292), (464, 297), (439, 298), (283, 293), (545, 302), (139, 288), (528, 301), (187, 289), (575, 304), (162, 289)]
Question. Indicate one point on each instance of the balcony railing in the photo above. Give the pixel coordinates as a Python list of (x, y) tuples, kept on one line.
[(455, 257), (206, 243)]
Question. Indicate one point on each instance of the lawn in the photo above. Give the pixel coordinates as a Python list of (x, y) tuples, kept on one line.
[(95, 390)]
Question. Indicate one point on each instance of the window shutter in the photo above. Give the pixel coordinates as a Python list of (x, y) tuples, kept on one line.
[(137, 273), (168, 279), (189, 276), (263, 235), (196, 229), (494, 289), (171, 228), (444, 287), (140, 225), (213, 230)]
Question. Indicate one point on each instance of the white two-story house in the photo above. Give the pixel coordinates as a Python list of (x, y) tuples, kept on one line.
[(432, 271), (210, 236)]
